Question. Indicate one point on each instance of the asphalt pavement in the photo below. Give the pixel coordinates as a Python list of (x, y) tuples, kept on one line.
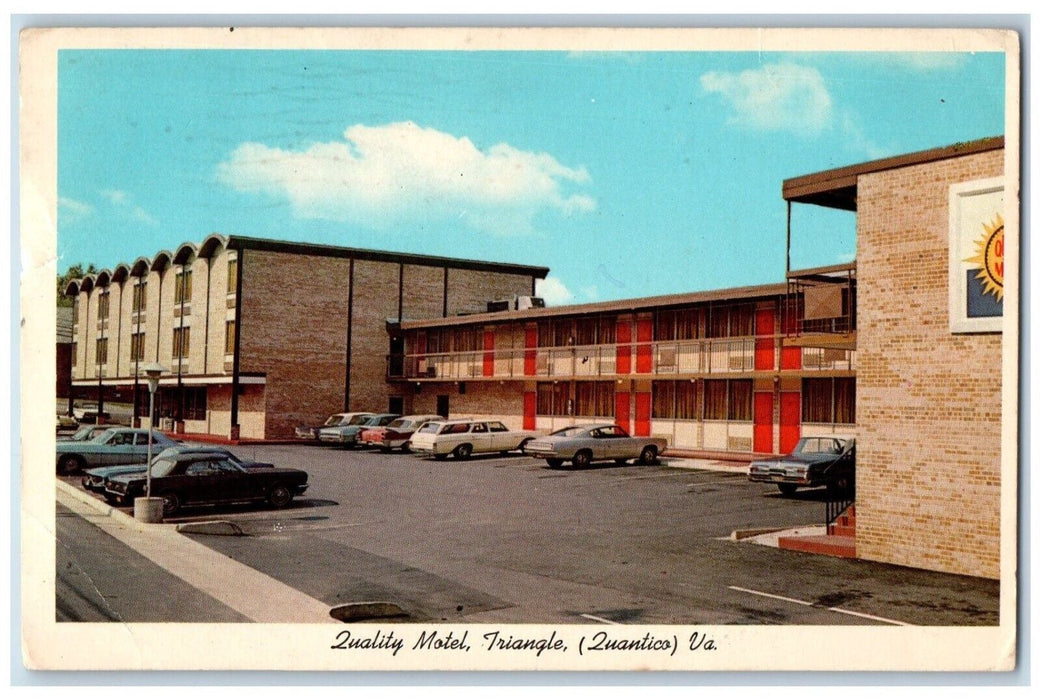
[(505, 539)]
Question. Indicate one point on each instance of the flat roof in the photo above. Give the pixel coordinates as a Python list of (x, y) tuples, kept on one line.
[(266, 244), (624, 305), (837, 188)]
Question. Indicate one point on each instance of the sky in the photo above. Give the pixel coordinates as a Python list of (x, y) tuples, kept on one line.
[(627, 174)]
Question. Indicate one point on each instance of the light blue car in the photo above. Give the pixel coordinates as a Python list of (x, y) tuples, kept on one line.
[(114, 446)]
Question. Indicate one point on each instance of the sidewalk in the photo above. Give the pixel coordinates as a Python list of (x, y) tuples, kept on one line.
[(198, 565)]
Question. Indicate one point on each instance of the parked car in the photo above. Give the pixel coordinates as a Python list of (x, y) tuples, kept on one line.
[(463, 437), (87, 432), (204, 478), (815, 461), (347, 435), (396, 433), (311, 432), (94, 479), (113, 446), (584, 444), (66, 422)]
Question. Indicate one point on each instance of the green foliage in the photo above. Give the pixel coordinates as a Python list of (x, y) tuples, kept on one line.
[(73, 273)]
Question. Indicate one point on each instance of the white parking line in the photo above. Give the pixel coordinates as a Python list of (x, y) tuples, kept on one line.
[(599, 619), (810, 604)]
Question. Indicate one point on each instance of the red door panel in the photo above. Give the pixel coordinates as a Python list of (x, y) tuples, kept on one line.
[(531, 340), (764, 346), (621, 410), (488, 366), (644, 335), (763, 422), (791, 418), (529, 410), (643, 414)]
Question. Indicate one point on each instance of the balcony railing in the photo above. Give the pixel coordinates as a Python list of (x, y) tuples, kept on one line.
[(717, 356)]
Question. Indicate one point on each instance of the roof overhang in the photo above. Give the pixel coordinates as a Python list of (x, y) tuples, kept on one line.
[(837, 188)]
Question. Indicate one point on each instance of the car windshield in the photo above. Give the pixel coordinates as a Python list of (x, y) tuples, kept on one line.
[(102, 438), (359, 420), (571, 431), (431, 428), (825, 446), (162, 467), (398, 423), (82, 433), (334, 420)]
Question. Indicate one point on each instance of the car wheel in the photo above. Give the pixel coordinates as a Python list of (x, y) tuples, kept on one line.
[(404, 449), (523, 447), (463, 451), (787, 489), (70, 464), (280, 496), (582, 459), (555, 463), (649, 455), (171, 503)]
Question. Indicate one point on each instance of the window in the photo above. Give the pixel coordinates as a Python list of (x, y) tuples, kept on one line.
[(829, 400), (233, 275), (552, 399), (229, 338), (183, 287), (466, 340), (677, 400), (742, 320), (665, 325), (103, 306), (715, 399), (137, 346), (181, 341), (194, 403), (140, 296), (687, 324), (545, 334), (585, 331), (740, 403), (563, 333), (436, 341), (594, 399), (102, 351)]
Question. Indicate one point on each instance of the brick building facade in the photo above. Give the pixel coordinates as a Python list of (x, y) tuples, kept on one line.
[(928, 397), (260, 336)]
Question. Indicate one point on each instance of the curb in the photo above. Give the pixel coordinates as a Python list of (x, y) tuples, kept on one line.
[(210, 527), (104, 509)]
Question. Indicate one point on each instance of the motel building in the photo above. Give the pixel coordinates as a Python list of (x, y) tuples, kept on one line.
[(892, 349)]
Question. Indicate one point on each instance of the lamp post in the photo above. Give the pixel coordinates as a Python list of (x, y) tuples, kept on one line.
[(148, 509)]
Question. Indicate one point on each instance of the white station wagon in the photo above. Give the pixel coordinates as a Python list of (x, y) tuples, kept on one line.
[(463, 437)]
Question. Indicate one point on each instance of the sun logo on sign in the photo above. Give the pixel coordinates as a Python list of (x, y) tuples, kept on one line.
[(990, 257)]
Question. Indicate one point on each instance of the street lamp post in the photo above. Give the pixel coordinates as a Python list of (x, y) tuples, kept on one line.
[(150, 509)]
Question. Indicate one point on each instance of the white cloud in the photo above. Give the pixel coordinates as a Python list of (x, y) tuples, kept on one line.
[(73, 210), (124, 207), (384, 175), (553, 291), (775, 97)]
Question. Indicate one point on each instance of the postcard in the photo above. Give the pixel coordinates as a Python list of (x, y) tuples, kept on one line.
[(527, 349)]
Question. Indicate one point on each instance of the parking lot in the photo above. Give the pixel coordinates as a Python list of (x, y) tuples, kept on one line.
[(505, 539)]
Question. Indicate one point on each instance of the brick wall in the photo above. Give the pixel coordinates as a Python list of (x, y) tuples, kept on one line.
[(928, 401), (294, 329), (470, 290)]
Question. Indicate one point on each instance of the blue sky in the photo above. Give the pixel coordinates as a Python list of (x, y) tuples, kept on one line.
[(627, 174)]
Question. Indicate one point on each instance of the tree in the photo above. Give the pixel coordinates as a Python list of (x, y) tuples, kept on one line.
[(73, 273)]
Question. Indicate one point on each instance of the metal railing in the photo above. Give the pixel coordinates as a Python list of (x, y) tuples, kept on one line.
[(834, 508), (661, 358)]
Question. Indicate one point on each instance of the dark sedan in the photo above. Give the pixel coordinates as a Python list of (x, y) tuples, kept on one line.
[(94, 479), (208, 478), (815, 461)]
